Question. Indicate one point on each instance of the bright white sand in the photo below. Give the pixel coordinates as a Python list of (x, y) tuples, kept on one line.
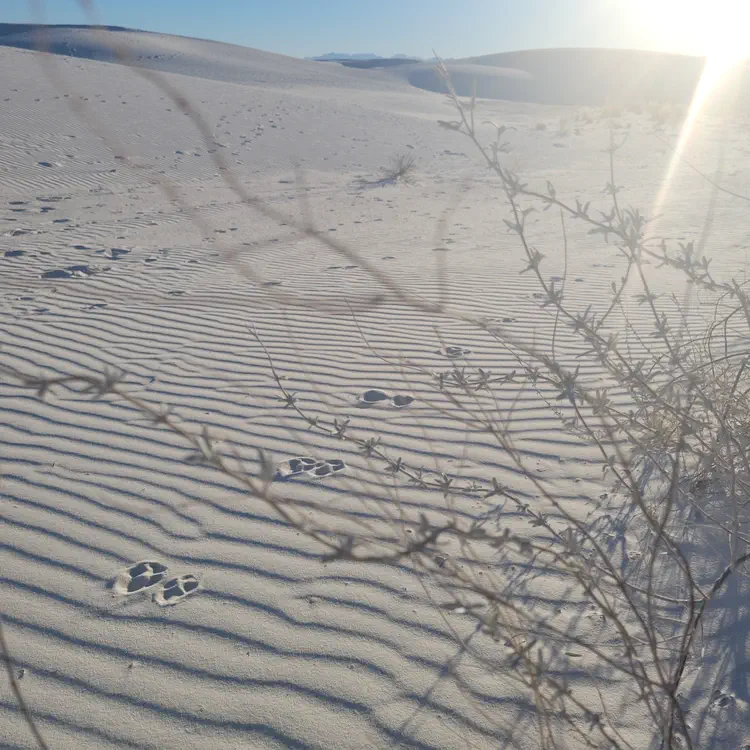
[(277, 649)]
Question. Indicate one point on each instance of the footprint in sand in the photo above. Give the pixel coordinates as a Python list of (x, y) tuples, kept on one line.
[(400, 401), (308, 466), (326, 468), (374, 397), (68, 273), (294, 467), (115, 252), (453, 352), (176, 590), (149, 575), (138, 577)]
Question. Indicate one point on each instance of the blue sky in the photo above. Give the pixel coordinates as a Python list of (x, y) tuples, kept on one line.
[(455, 28)]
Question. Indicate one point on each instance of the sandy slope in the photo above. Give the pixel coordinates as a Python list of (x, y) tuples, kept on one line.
[(99, 268), (187, 56), (576, 76)]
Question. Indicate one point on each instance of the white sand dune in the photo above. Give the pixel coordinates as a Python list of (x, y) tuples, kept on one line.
[(542, 76), (184, 55), (573, 76), (100, 268)]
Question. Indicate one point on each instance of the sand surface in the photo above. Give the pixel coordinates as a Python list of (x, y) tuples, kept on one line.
[(99, 267)]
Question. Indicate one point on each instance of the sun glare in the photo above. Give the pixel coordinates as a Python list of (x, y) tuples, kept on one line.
[(715, 29)]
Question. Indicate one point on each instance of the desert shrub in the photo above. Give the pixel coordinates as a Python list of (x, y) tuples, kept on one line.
[(402, 169)]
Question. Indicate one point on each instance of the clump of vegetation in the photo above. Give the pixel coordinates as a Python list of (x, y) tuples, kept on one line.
[(402, 169)]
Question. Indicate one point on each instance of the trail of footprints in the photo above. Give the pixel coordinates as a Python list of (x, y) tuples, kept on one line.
[(151, 576), (315, 468)]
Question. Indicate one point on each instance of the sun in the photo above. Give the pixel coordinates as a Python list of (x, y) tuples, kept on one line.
[(716, 29)]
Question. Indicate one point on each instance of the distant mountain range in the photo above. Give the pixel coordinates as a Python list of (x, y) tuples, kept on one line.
[(359, 56)]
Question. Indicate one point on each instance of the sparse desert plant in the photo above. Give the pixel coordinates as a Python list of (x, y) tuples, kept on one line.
[(668, 413), (402, 169)]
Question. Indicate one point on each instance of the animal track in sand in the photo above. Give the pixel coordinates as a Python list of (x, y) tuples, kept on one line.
[(308, 466), (454, 352), (138, 577), (400, 401), (81, 271), (176, 590), (150, 575), (375, 396), (326, 468), (295, 466)]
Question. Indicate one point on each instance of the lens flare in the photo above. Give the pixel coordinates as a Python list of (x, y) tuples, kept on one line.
[(716, 29)]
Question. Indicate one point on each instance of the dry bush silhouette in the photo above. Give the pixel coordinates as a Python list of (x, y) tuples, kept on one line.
[(669, 416), (403, 168)]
